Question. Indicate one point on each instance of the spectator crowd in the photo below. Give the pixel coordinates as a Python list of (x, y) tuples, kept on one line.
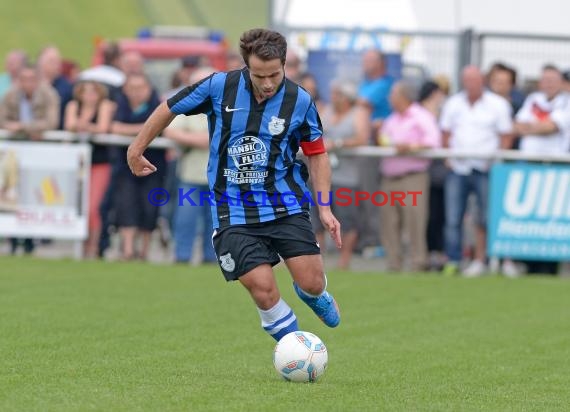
[(445, 231)]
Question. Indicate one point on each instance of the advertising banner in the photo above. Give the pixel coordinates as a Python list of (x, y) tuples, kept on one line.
[(529, 212), (44, 189)]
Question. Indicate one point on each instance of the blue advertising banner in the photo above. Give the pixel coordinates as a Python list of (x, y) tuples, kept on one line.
[(529, 212)]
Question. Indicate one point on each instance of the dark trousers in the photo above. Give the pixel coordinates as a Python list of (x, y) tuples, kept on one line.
[(106, 210), (436, 219)]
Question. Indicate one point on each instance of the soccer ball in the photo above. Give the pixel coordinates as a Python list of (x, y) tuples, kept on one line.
[(300, 357)]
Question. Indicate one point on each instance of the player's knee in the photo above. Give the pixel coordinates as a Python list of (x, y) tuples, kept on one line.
[(314, 285), (265, 297)]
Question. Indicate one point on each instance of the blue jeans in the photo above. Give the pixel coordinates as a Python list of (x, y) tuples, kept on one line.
[(457, 191), (187, 219)]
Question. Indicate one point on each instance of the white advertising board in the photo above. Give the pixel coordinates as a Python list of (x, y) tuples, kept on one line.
[(44, 190)]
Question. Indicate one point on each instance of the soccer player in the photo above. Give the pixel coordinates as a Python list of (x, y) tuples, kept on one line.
[(257, 121)]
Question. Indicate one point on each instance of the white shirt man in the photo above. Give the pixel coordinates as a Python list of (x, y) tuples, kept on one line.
[(480, 121), (476, 127), (538, 108), (544, 124)]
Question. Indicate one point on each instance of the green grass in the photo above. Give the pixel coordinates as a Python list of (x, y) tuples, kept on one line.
[(73, 25), (134, 337), (232, 17)]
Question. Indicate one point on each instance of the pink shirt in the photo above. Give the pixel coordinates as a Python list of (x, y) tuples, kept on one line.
[(415, 126)]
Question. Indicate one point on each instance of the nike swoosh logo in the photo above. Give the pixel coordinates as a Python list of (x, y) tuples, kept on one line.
[(232, 110)]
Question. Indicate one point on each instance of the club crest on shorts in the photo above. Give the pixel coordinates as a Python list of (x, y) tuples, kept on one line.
[(276, 125), (227, 263)]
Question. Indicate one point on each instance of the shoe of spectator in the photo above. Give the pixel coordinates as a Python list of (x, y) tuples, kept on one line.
[(450, 269), (509, 269), (475, 269), (436, 262)]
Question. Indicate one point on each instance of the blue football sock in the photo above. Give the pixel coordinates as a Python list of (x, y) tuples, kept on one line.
[(279, 320)]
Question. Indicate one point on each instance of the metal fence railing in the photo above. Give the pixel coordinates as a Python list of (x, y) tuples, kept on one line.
[(40, 173), (526, 53), (423, 53), (363, 151), (432, 53)]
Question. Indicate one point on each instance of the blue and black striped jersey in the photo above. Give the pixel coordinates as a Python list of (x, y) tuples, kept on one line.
[(253, 173)]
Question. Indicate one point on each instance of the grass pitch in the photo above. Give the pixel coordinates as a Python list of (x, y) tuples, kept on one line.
[(96, 336), (73, 25)]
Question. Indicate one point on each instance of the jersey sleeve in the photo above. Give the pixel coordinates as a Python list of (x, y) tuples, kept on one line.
[(311, 133), (193, 99)]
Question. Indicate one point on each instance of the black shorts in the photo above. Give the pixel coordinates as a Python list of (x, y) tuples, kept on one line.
[(133, 209), (241, 248)]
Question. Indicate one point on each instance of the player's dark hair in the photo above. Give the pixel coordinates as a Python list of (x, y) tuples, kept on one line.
[(263, 43)]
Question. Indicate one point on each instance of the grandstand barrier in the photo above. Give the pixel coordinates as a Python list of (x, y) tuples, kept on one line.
[(364, 151), (529, 199)]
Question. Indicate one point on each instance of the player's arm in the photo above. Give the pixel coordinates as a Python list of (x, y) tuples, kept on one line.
[(311, 142), (155, 124), (191, 100), (320, 174)]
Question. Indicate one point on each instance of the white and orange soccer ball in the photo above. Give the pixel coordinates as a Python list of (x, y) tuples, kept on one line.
[(300, 357)]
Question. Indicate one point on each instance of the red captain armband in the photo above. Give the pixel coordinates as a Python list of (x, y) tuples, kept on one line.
[(315, 147)]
